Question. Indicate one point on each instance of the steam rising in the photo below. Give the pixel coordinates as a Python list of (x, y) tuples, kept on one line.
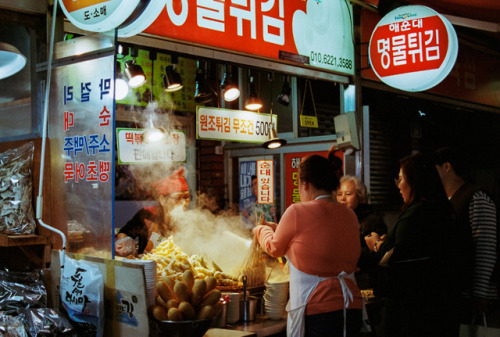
[(146, 175), (202, 230), (199, 231)]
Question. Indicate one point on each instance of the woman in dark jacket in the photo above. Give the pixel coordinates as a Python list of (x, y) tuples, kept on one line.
[(352, 192), (419, 299)]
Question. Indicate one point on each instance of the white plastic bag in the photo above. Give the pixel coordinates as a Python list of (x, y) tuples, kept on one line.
[(82, 297), (477, 330)]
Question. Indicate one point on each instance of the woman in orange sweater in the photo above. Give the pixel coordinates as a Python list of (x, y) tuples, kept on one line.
[(321, 240)]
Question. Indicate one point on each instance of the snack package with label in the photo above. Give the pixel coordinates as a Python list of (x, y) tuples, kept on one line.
[(82, 297)]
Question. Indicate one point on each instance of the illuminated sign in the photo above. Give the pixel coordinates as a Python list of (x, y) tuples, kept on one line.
[(234, 125), (317, 33), (132, 150), (143, 19), (86, 113), (413, 48), (98, 15)]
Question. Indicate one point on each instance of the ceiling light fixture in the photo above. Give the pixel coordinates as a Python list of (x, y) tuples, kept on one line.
[(172, 79), (133, 71), (121, 86), (284, 96), (11, 60), (274, 142), (253, 102), (231, 90), (203, 92)]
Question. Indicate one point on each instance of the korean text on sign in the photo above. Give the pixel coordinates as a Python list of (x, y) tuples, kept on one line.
[(409, 46), (80, 149), (295, 162), (226, 124), (210, 14), (91, 171), (265, 182), (234, 125)]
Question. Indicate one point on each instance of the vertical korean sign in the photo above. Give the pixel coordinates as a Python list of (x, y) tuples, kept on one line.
[(265, 182), (82, 148)]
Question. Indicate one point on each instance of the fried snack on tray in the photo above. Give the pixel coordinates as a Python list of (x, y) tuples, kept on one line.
[(172, 262)]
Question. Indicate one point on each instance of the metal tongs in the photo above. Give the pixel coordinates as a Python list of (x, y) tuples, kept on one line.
[(244, 278)]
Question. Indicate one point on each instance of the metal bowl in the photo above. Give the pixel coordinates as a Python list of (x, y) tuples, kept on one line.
[(196, 328)]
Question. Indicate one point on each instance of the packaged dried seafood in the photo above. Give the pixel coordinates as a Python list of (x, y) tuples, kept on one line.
[(16, 207)]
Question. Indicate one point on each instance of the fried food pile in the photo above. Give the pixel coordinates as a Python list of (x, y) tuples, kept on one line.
[(172, 262)]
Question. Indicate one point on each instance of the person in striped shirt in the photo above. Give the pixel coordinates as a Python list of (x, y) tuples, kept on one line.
[(476, 216)]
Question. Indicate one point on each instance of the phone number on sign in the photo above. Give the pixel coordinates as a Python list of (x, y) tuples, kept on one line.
[(331, 60)]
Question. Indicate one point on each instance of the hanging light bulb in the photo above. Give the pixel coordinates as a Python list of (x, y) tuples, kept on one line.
[(231, 90), (253, 102), (274, 142), (154, 135), (203, 93), (172, 79), (121, 86), (133, 72), (284, 96)]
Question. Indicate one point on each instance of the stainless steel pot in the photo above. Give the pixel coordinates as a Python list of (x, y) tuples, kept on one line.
[(247, 309)]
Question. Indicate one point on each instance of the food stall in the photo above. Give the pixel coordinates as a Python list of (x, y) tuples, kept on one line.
[(103, 173)]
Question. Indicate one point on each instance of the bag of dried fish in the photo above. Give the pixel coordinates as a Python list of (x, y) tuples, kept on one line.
[(16, 207)]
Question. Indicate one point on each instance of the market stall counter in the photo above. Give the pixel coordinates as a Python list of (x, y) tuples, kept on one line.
[(229, 333)]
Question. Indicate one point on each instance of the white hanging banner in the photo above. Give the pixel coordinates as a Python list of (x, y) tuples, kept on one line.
[(131, 149), (234, 125)]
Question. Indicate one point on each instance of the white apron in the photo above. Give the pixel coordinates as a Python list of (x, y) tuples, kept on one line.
[(302, 286)]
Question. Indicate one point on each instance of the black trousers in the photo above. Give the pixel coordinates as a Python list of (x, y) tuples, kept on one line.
[(331, 324)]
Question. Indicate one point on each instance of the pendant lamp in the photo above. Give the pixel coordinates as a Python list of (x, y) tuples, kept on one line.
[(11, 60)]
